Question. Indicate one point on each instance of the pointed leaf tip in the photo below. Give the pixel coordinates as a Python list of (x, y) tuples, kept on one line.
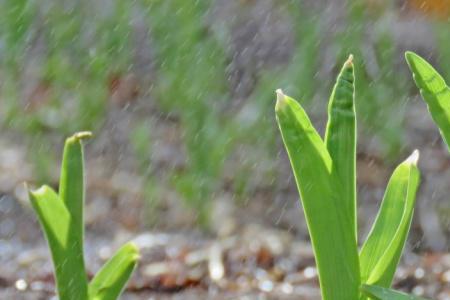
[(281, 98), (38, 192), (134, 248), (280, 95), (410, 54), (413, 158), (349, 61), (81, 135)]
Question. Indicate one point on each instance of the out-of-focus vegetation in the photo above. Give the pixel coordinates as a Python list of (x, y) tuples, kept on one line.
[(192, 86), (61, 61)]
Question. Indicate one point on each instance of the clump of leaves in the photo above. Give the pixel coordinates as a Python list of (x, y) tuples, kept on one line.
[(434, 91), (326, 178), (61, 218)]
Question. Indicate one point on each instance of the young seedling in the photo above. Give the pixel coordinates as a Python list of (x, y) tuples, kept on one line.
[(434, 91), (61, 218), (326, 178)]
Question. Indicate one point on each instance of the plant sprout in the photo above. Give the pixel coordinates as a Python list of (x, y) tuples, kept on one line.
[(434, 91), (61, 218), (325, 174)]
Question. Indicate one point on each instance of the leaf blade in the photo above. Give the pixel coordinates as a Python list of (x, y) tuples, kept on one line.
[(333, 243), (71, 193), (71, 183), (382, 249), (340, 136), (434, 91), (381, 293), (111, 279), (55, 221)]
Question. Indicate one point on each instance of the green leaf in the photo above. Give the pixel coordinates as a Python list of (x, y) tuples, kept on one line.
[(381, 252), (434, 91), (62, 221), (71, 192), (71, 183), (340, 137), (52, 214), (110, 281), (61, 217), (381, 293), (56, 221), (329, 224)]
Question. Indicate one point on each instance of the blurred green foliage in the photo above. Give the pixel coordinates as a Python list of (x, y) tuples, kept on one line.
[(382, 93), (74, 48), (191, 85), (80, 50)]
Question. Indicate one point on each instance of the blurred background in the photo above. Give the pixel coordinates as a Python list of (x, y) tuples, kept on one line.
[(186, 158)]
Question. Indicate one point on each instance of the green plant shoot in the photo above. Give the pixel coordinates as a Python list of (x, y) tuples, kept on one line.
[(381, 251), (340, 137), (434, 91), (380, 293), (329, 220), (325, 174), (61, 218)]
